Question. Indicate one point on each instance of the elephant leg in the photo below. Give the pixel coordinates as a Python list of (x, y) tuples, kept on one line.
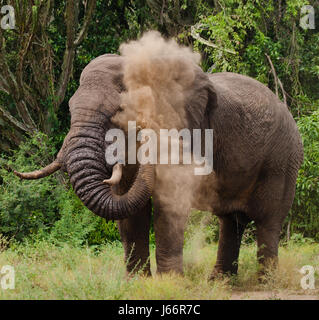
[(232, 227), (169, 236), (272, 202), (134, 233), (267, 243)]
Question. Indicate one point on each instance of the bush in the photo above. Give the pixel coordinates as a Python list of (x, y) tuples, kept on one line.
[(305, 212), (202, 226), (78, 226), (27, 206), (46, 208)]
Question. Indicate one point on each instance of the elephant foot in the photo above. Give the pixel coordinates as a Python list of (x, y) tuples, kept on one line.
[(266, 269), (220, 274), (137, 268), (167, 265), (177, 271), (265, 274), (143, 273)]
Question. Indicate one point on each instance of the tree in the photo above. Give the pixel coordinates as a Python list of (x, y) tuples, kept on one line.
[(175, 16), (34, 74)]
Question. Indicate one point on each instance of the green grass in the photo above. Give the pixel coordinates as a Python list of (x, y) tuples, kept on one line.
[(45, 271)]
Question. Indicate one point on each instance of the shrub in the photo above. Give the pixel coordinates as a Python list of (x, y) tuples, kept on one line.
[(305, 212), (78, 226), (45, 208), (202, 226), (27, 206)]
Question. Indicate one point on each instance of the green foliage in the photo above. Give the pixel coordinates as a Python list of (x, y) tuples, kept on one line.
[(45, 208), (75, 224), (305, 213), (203, 226), (241, 34), (27, 206), (300, 239), (78, 226), (104, 231), (249, 235)]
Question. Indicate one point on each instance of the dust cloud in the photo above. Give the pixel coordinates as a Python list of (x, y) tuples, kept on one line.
[(157, 74)]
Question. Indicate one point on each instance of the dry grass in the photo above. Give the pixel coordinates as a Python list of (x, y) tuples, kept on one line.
[(44, 271)]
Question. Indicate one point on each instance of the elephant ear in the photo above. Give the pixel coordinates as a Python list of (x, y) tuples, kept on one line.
[(198, 99)]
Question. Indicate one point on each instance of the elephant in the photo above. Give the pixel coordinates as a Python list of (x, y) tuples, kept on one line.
[(257, 152)]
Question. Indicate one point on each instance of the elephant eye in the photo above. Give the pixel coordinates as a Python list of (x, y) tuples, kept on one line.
[(118, 81)]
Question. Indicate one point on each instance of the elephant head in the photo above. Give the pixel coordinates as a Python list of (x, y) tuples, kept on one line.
[(82, 155), (83, 152)]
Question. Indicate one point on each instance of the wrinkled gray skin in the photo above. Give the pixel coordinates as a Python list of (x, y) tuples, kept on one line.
[(257, 154)]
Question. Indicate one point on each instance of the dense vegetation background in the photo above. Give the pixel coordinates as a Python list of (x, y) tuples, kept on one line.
[(41, 61)]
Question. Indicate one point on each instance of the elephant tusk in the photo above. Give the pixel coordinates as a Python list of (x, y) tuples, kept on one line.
[(48, 170), (116, 175)]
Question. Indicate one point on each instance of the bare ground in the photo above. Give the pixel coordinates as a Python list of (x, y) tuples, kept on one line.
[(274, 295)]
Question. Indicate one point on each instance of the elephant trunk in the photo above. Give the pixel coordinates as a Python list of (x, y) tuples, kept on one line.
[(83, 155), (87, 168)]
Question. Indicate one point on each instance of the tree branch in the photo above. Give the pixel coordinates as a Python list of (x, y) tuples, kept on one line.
[(197, 37), (12, 120), (162, 12), (71, 20), (10, 83), (277, 80), (87, 19)]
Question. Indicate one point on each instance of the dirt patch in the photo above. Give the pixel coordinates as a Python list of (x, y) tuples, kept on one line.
[(273, 295)]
